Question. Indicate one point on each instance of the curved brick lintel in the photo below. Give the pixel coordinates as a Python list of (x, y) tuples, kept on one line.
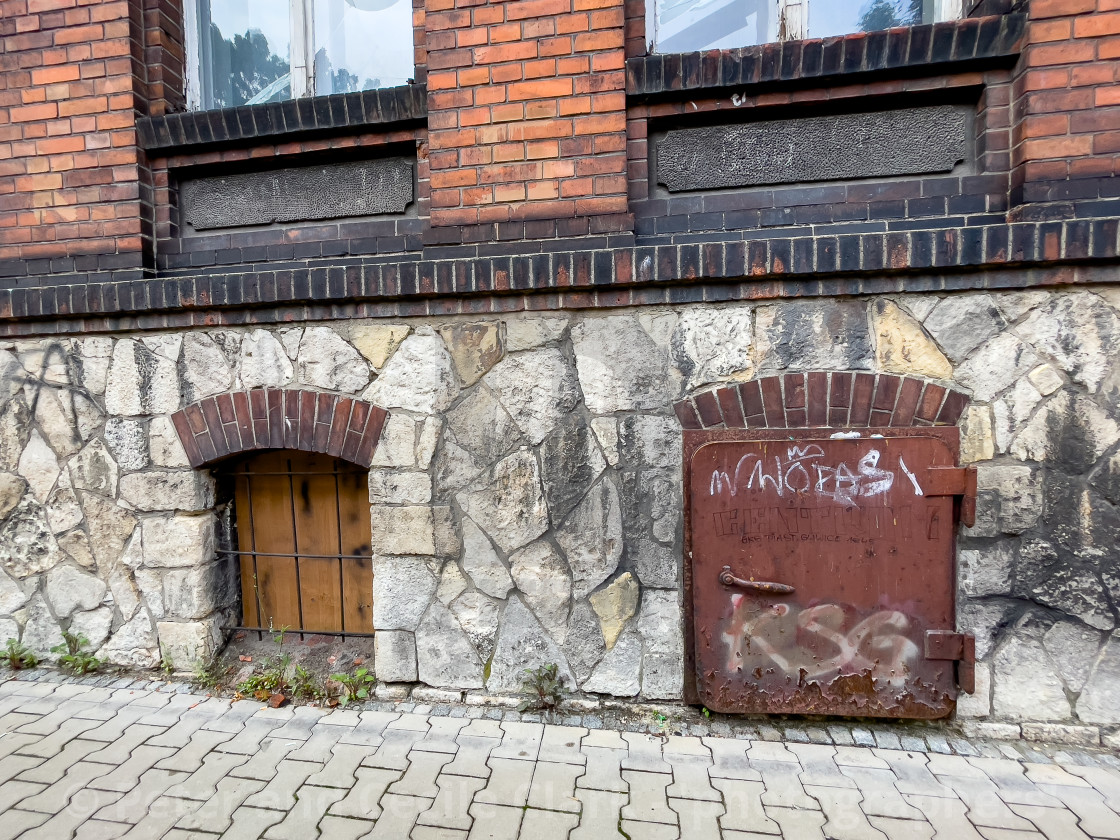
[(824, 398), (279, 418)]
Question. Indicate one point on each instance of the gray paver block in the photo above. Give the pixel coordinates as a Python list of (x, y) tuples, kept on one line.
[(16, 822), (948, 816), (521, 741), (471, 757), (101, 830), (730, 760), (495, 822), (203, 782), (698, 820), (783, 787), (819, 767), (14, 765), (554, 786), (1054, 823), (743, 799), (82, 805), (845, 820), (362, 802), (604, 768), (770, 751), (644, 753), (989, 833), (161, 817), (799, 823), (394, 749), (134, 806), (1096, 818), (124, 777), (251, 823), (252, 735), (880, 797), (280, 793), (913, 775), (13, 792), (339, 770), (344, 828), (55, 797), (302, 820), (441, 735), (896, 829), (553, 825), (318, 747), (55, 743), (984, 804), (650, 831), (449, 809), (263, 763), (648, 800), (420, 777), (1105, 780), (599, 816), (398, 816), (509, 783), (216, 814), (190, 757), (561, 744)]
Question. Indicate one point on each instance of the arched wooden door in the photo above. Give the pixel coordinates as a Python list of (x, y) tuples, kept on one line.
[(303, 532)]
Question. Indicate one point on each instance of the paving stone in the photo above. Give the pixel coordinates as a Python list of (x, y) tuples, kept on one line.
[(13, 742), (1052, 774), (1106, 781), (1096, 818), (553, 786), (648, 800), (184, 732), (81, 807), (101, 830), (216, 814), (984, 804), (881, 797), (134, 805), (604, 739), (54, 744), (913, 775), (770, 751), (190, 757), (690, 777), (1053, 823), (234, 719), (599, 816), (449, 809), (363, 800), (562, 744), (280, 792), (16, 822), (730, 760), (345, 828), (783, 787), (251, 737), (896, 829), (604, 767), (124, 777), (369, 732), (318, 747), (548, 823), (845, 819), (420, 777), (340, 768), (398, 816), (160, 818), (303, 819), (394, 749), (263, 763), (441, 735), (251, 823), (819, 766), (431, 832), (495, 822), (743, 799), (509, 783), (15, 765), (644, 753), (521, 741), (203, 782), (650, 831), (799, 823), (947, 815), (120, 749), (55, 797), (471, 757), (12, 792)]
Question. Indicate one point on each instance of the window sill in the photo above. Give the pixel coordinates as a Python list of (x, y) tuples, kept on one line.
[(318, 115), (963, 44)]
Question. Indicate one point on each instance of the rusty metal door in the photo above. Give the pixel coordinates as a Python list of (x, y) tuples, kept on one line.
[(303, 531), (822, 575)]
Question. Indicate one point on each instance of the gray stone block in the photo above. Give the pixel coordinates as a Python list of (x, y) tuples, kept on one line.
[(331, 191), (906, 141)]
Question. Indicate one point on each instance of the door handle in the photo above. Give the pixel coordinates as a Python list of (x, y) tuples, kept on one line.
[(728, 579)]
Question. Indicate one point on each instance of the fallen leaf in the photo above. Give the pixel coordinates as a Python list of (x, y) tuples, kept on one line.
[(244, 658)]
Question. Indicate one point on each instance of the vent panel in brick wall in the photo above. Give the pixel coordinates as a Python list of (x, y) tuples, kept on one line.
[(331, 191), (909, 141)]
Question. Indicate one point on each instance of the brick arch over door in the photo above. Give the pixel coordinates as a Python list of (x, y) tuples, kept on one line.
[(279, 418), (832, 399)]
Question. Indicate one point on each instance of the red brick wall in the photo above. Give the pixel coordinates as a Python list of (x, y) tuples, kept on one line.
[(1066, 133), (527, 109)]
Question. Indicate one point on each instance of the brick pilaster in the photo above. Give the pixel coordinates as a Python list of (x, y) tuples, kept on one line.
[(527, 109), (1066, 137)]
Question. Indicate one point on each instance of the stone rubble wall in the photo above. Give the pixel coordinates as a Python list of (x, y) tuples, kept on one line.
[(526, 494)]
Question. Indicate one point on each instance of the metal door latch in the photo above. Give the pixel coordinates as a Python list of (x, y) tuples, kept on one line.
[(728, 579), (958, 647), (954, 481)]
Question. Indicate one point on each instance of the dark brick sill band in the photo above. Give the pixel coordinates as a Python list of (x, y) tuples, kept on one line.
[(160, 136), (998, 256), (934, 48)]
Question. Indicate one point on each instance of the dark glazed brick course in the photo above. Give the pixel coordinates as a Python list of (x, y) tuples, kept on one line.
[(273, 418), (823, 398), (973, 42), (340, 112)]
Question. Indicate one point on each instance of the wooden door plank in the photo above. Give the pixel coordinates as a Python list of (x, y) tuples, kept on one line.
[(274, 533), (250, 615), (357, 575), (315, 504)]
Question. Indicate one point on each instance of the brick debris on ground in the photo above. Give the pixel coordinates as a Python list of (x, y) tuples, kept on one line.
[(109, 757)]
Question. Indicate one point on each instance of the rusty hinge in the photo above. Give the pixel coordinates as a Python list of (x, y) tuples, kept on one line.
[(959, 647), (954, 481)]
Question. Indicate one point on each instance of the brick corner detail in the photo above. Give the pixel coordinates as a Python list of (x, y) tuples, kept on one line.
[(834, 399), (279, 418)]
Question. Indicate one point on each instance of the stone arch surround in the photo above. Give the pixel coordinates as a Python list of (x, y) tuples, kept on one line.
[(824, 398), (279, 418)]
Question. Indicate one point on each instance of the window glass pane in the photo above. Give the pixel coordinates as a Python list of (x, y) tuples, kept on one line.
[(362, 44), (688, 25), (244, 52)]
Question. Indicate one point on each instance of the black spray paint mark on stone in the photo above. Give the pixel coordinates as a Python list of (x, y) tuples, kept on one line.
[(334, 191), (828, 148)]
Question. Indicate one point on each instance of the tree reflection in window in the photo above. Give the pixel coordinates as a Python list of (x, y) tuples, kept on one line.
[(245, 70)]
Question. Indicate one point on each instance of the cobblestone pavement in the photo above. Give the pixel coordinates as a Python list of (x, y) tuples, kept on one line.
[(126, 760)]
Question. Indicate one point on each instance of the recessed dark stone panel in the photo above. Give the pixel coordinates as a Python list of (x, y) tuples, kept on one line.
[(331, 191), (908, 141)]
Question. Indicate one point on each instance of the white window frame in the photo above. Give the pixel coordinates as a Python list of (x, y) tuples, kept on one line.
[(301, 50), (792, 18)]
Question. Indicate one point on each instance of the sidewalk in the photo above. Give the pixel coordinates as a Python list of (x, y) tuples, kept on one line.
[(111, 762)]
